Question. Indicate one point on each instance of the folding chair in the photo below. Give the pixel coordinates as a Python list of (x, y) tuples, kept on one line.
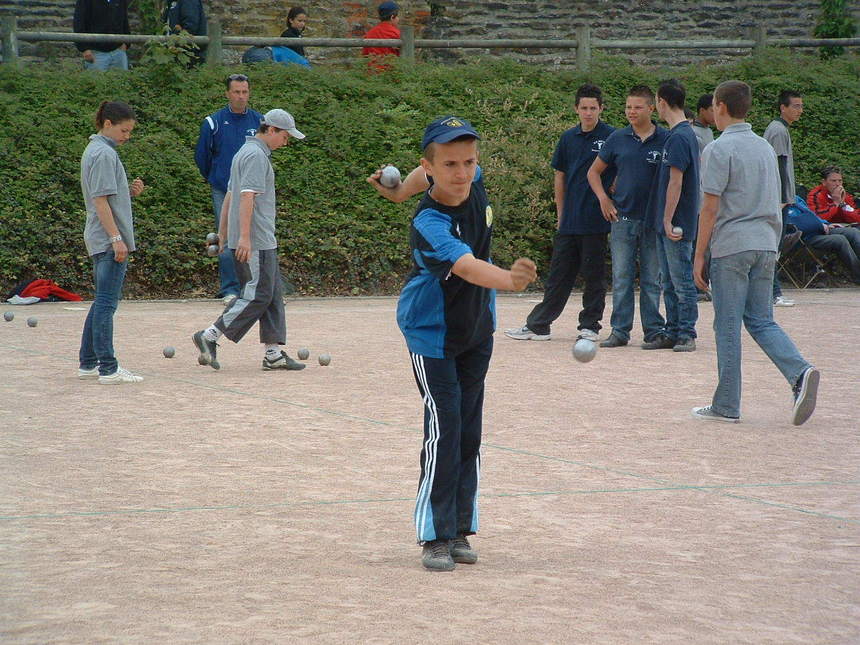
[(801, 266)]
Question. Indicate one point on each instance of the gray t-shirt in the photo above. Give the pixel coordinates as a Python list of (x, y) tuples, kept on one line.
[(704, 134), (251, 171), (103, 175), (740, 168), (779, 138)]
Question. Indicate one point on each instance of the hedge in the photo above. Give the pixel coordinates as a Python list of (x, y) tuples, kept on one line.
[(337, 235)]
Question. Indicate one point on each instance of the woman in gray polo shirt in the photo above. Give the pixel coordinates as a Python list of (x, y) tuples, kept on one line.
[(109, 236)]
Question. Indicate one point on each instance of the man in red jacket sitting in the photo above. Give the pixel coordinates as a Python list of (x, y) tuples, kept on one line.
[(386, 29), (830, 201)]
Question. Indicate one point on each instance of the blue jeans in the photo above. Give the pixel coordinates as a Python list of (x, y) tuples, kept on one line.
[(103, 61), (629, 238), (226, 267), (97, 337), (679, 290), (742, 288)]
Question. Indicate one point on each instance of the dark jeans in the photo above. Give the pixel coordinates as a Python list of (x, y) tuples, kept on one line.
[(453, 393), (777, 288), (845, 243), (679, 290), (97, 337), (573, 255)]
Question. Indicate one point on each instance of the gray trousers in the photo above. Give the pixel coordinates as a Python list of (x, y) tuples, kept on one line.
[(261, 298)]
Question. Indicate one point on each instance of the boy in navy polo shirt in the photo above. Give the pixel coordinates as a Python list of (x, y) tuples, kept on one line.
[(580, 240), (676, 204), (446, 312), (635, 152)]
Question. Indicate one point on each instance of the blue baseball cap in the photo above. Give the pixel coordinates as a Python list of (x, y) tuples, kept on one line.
[(447, 129), (387, 9)]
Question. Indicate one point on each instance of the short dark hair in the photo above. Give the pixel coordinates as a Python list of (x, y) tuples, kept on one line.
[(588, 91), (643, 92), (673, 92), (736, 96), (115, 112), (785, 97), (688, 113), (705, 101), (265, 127), (829, 170), (241, 78)]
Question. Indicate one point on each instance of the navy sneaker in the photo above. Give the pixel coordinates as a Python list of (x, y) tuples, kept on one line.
[(805, 394)]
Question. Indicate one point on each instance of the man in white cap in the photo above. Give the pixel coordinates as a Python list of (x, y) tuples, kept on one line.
[(248, 228)]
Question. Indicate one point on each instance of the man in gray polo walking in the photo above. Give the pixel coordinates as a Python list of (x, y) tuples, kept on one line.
[(248, 226)]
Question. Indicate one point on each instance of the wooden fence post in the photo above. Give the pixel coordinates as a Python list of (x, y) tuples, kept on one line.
[(407, 49), (758, 34), (9, 30), (214, 50), (583, 48)]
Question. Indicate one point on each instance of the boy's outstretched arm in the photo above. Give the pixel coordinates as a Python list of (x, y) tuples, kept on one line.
[(415, 182), (484, 274)]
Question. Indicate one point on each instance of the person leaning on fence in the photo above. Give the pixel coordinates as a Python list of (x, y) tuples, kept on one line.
[(247, 229), (102, 17), (221, 136), (297, 19), (740, 225), (186, 15), (778, 136), (109, 236), (387, 29)]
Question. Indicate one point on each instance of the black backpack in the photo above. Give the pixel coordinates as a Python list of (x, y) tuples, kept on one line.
[(171, 15)]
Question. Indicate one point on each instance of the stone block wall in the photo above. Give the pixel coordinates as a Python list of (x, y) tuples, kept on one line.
[(615, 19)]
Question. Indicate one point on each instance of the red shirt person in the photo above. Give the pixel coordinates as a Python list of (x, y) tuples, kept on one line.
[(386, 29), (830, 201)]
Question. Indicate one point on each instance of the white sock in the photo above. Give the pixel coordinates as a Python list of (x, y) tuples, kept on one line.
[(212, 334), (273, 352)]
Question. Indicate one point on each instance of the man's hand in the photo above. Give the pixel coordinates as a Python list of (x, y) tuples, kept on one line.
[(243, 249), (700, 273), (667, 227), (120, 251), (838, 195), (88, 55), (607, 207), (523, 273), (137, 187)]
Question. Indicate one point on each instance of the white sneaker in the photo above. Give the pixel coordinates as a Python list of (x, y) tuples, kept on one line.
[(782, 301), (86, 374), (587, 334), (119, 377), (524, 333), (228, 300)]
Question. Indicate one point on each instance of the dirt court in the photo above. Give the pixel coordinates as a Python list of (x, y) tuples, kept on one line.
[(244, 506)]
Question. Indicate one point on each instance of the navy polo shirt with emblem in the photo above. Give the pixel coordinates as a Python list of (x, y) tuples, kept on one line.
[(636, 163), (440, 314), (574, 154), (680, 151)]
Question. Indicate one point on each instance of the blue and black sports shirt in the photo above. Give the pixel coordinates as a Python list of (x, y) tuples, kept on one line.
[(439, 313)]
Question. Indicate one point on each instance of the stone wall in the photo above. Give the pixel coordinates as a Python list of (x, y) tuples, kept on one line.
[(616, 19)]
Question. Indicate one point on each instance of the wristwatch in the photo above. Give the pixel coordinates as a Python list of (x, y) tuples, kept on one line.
[(115, 238)]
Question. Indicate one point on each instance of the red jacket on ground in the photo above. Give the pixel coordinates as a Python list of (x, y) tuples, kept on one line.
[(820, 201), (387, 31)]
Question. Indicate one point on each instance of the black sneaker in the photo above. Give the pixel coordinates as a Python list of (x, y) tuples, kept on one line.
[(461, 551), (685, 345), (613, 341), (436, 556), (805, 393), (282, 362), (660, 342), (208, 350)]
